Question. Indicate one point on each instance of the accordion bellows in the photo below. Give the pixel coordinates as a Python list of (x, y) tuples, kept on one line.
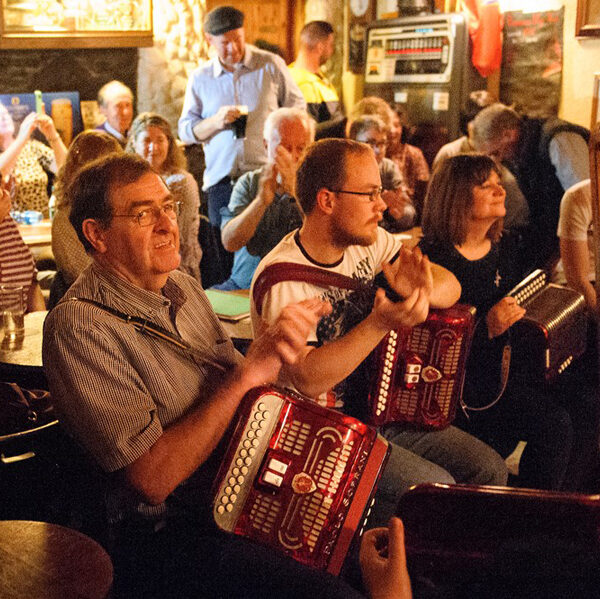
[(553, 331), (298, 477)]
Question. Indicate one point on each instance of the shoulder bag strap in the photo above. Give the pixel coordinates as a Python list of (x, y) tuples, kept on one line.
[(290, 271), (144, 326)]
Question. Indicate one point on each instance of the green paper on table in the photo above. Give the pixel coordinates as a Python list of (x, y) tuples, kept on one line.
[(229, 306)]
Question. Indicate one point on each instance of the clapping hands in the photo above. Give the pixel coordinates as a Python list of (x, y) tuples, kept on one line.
[(284, 341), (410, 271), (42, 122)]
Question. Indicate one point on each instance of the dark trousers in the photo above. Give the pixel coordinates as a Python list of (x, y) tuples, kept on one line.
[(217, 261), (179, 562), (527, 413), (217, 197)]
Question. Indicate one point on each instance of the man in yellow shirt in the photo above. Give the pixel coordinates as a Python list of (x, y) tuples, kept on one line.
[(316, 48)]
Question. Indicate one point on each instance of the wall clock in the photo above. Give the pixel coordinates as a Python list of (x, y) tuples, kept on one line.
[(359, 7)]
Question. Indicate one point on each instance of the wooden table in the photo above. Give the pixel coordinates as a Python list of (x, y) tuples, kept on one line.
[(411, 237), (47, 561), (21, 358), (38, 238)]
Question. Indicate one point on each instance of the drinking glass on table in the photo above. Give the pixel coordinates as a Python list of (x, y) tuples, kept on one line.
[(12, 312)]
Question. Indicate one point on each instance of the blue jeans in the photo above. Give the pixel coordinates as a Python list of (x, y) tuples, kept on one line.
[(445, 456), (217, 197)]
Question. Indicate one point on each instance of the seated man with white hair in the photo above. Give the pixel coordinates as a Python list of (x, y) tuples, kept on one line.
[(262, 208)]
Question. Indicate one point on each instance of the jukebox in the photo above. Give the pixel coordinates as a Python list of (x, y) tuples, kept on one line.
[(423, 63)]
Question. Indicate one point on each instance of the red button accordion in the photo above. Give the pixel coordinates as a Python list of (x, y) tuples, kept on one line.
[(419, 372), (298, 477)]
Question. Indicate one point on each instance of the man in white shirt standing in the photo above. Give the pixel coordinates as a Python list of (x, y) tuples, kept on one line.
[(239, 77)]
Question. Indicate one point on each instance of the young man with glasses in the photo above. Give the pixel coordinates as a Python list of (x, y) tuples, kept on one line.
[(338, 186)]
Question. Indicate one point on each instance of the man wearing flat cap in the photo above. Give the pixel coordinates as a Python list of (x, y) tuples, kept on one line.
[(239, 77)]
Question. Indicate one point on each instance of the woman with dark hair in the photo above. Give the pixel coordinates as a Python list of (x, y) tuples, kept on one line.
[(71, 258), (151, 138), (462, 228)]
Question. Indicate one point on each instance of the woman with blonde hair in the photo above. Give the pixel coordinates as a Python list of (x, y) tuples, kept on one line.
[(71, 258), (151, 138)]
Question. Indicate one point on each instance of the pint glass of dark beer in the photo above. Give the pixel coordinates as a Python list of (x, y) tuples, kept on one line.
[(239, 125)]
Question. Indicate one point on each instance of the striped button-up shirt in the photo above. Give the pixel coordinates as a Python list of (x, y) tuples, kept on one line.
[(116, 389)]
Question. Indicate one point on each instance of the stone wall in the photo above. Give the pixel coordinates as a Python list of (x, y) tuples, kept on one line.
[(179, 47)]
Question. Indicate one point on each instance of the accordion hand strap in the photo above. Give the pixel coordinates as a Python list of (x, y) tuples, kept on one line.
[(290, 271)]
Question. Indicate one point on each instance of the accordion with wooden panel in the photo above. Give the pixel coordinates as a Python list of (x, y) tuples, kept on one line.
[(553, 331), (298, 477), (419, 373)]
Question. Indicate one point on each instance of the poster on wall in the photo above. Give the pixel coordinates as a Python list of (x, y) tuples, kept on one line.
[(531, 69), (63, 107)]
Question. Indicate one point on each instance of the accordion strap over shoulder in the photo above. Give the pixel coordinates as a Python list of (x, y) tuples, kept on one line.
[(290, 271)]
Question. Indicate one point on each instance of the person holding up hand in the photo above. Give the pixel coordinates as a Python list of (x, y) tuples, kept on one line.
[(28, 160), (262, 208)]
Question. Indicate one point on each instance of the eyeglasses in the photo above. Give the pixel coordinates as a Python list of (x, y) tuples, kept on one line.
[(372, 195), (150, 216), (376, 144)]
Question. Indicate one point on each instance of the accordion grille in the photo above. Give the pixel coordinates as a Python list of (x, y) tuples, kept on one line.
[(408, 399), (294, 436), (313, 514), (419, 340), (450, 359), (444, 395), (264, 512)]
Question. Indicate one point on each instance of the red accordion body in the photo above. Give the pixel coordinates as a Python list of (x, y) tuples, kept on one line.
[(419, 372), (298, 477)]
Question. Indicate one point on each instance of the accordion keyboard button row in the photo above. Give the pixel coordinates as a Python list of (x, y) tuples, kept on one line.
[(235, 481)]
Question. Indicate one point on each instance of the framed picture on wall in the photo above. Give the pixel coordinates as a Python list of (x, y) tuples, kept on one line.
[(63, 107), (588, 18)]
